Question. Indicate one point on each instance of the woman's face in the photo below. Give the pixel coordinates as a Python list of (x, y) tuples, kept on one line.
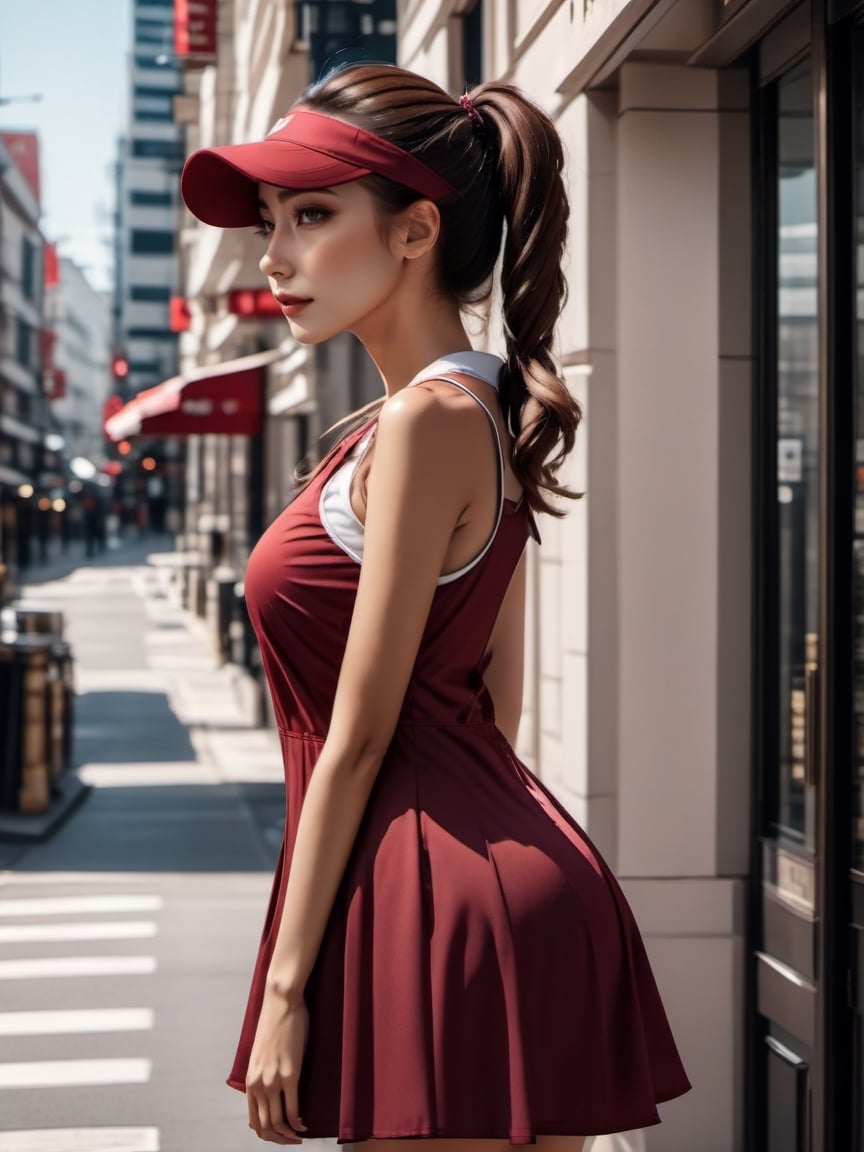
[(327, 261)]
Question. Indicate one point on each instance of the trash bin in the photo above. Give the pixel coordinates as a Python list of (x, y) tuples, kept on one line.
[(36, 701), (26, 780), (33, 620), (11, 709)]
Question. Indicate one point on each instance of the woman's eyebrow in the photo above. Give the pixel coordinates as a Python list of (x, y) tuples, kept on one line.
[(283, 194)]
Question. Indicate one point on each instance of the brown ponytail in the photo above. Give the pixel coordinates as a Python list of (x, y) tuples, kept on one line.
[(506, 161)]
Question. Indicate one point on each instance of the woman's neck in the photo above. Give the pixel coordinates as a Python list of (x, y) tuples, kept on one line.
[(414, 337)]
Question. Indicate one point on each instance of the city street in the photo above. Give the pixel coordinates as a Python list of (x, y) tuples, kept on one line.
[(127, 937)]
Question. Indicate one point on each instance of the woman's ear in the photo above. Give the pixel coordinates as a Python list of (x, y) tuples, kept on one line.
[(417, 229)]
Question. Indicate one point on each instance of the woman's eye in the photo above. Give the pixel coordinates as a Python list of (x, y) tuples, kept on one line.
[(311, 214), (265, 227)]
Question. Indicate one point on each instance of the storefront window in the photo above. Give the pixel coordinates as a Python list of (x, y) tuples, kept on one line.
[(797, 436), (859, 454)]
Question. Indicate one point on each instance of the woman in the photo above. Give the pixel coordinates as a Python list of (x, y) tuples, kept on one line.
[(445, 953)]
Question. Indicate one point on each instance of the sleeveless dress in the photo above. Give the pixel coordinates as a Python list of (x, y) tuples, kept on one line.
[(481, 974)]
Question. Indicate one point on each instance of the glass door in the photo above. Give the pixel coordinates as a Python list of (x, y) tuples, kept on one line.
[(789, 541)]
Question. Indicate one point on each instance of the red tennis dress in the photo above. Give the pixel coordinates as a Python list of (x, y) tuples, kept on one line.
[(481, 974)]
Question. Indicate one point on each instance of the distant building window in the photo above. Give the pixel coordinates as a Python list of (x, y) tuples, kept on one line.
[(153, 367), (161, 61), (150, 91), (28, 268), (151, 32), (23, 343), (150, 333), (150, 242), (150, 116), (156, 149), (150, 293), (472, 45), (147, 198)]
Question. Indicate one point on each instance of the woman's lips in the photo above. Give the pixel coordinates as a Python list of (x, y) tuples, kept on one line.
[(291, 305)]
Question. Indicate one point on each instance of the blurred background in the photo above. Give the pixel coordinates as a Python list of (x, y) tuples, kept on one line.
[(695, 662)]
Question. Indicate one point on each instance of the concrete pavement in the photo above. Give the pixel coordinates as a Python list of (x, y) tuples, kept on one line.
[(127, 938)]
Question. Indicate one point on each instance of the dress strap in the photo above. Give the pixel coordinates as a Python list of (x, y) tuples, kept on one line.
[(464, 388)]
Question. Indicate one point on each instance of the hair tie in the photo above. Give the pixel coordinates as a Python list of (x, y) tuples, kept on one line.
[(473, 115)]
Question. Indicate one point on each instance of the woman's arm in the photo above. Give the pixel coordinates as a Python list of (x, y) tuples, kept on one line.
[(414, 501), (506, 669)]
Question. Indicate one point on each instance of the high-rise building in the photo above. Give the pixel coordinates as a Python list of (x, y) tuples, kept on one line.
[(147, 213)]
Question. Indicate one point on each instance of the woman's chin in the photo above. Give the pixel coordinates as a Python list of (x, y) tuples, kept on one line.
[(308, 336)]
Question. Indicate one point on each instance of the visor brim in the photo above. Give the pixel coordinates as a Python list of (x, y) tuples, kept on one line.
[(220, 185)]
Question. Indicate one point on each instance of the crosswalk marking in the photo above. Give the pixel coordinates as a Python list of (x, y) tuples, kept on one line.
[(74, 905), (51, 879), (81, 1140), (71, 1073), (39, 968), (76, 1021), (76, 930)]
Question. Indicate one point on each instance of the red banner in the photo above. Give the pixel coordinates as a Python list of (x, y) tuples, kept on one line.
[(52, 266), (56, 386), (24, 150), (195, 27)]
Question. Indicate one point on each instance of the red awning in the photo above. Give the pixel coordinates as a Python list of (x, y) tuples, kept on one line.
[(225, 398)]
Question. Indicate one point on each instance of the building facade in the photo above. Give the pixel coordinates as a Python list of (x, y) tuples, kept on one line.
[(23, 407), (80, 318), (695, 682)]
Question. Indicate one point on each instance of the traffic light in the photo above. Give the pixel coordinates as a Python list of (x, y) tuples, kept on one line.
[(119, 366)]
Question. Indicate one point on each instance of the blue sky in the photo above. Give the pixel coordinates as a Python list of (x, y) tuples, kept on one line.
[(75, 53)]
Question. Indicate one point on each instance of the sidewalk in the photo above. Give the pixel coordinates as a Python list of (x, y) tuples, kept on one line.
[(154, 709)]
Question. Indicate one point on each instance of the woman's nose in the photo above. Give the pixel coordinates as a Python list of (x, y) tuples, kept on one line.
[(274, 262)]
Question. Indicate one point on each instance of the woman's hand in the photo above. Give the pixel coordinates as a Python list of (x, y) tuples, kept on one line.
[(274, 1070)]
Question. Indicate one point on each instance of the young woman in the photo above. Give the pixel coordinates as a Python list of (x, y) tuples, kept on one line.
[(445, 954)]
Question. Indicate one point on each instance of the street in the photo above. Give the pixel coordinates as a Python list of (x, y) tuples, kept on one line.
[(127, 937)]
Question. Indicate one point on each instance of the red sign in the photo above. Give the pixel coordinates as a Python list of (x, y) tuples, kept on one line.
[(52, 266), (55, 381), (253, 303), (24, 150), (195, 27), (180, 318)]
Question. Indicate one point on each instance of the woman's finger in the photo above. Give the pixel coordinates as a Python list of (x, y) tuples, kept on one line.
[(292, 1107), (278, 1123), (260, 1116)]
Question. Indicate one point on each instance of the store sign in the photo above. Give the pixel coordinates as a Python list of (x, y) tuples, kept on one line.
[(253, 303), (23, 147), (195, 27)]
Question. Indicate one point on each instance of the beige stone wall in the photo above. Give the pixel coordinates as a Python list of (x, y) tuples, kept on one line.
[(637, 708)]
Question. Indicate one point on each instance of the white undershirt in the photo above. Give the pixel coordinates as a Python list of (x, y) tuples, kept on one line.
[(338, 517)]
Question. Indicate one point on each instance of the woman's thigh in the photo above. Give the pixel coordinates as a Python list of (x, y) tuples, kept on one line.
[(544, 1144)]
